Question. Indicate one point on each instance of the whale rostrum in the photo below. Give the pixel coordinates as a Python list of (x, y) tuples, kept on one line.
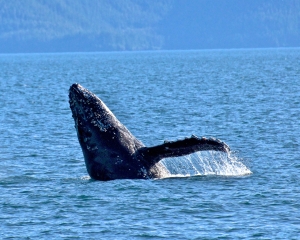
[(111, 152)]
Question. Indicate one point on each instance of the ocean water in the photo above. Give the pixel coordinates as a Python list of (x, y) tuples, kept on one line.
[(248, 98)]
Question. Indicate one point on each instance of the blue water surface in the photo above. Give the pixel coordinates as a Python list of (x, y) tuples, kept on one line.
[(248, 98)]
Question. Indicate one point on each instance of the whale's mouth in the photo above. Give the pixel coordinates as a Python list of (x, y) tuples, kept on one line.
[(88, 109), (81, 102), (78, 95), (75, 94)]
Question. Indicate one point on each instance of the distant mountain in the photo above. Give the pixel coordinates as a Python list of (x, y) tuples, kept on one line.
[(195, 24), (113, 25), (80, 25)]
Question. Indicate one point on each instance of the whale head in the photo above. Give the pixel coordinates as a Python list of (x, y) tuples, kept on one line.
[(88, 109), (107, 145)]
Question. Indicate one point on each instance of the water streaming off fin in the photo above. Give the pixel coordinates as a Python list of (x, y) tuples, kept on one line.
[(206, 163)]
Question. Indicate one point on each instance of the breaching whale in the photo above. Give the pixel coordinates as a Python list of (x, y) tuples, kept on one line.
[(111, 152)]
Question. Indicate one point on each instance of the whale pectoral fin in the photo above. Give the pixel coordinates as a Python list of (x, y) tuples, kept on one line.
[(182, 147)]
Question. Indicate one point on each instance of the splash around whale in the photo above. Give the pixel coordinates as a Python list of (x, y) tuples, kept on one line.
[(111, 152)]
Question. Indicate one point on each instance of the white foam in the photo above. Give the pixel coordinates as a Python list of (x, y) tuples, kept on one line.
[(85, 178), (206, 163)]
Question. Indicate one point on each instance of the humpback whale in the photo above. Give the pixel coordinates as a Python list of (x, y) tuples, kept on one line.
[(111, 152)]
